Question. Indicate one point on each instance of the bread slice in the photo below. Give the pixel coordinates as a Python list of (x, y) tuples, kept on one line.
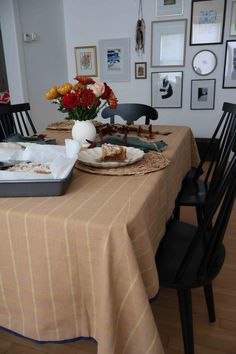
[(113, 152)]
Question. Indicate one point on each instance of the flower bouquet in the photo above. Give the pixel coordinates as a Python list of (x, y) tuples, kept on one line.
[(83, 100)]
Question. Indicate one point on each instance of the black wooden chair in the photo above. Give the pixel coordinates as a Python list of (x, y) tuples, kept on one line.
[(130, 112), (16, 119), (191, 256), (194, 189)]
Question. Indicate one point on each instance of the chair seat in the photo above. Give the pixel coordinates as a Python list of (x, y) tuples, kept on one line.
[(193, 193), (172, 251)]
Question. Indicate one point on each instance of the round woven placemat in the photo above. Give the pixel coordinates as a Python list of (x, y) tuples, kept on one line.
[(151, 162)]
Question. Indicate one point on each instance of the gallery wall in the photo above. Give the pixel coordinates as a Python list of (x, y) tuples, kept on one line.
[(88, 22), (62, 25)]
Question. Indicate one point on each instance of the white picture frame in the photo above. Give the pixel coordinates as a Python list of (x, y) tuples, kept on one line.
[(233, 20), (203, 94), (114, 55), (86, 61), (168, 43), (169, 8), (229, 78), (166, 89)]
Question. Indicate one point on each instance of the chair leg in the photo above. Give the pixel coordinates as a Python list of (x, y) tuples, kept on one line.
[(208, 291), (177, 212), (185, 309)]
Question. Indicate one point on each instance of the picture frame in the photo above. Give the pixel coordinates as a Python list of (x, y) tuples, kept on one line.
[(168, 43), (140, 70), (229, 78), (203, 94), (169, 8), (166, 89), (232, 31), (114, 55), (207, 22), (86, 61)]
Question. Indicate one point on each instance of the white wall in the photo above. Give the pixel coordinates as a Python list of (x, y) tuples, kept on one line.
[(88, 21)]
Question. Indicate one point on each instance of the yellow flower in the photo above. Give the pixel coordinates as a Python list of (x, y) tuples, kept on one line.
[(64, 88), (52, 93), (79, 85)]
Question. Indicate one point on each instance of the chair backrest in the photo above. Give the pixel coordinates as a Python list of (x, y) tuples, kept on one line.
[(130, 112), (223, 133), (211, 231), (16, 119)]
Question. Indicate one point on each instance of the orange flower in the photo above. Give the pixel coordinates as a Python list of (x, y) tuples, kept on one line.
[(64, 88), (112, 100), (52, 93)]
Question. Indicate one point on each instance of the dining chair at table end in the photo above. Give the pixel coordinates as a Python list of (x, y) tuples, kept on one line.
[(130, 112)]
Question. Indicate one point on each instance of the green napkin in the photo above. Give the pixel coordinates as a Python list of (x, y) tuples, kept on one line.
[(18, 138), (134, 142)]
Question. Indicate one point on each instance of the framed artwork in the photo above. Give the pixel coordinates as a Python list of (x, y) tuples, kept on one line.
[(166, 89), (168, 43), (86, 61), (114, 57), (204, 62), (169, 8), (232, 31), (141, 70), (203, 94), (207, 22), (229, 79)]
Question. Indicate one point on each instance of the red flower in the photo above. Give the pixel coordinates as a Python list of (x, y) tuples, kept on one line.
[(85, 80), (106, 93), (69, 100), (5, 97), (85, 98)]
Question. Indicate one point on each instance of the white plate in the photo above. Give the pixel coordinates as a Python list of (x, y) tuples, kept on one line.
[(91, 157)]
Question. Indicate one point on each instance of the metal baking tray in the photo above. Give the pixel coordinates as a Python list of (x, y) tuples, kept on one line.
[(34, 188)]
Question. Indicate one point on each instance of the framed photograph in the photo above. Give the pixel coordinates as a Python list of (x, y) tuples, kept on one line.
[(232, 31), (207, 22), (166, 89), (169, 8), (86, 61), (141, 70), (203, 94), (168, 43), (114, 57), (229, 79)]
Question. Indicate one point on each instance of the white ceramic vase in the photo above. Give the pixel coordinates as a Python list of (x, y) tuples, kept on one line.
[(82, 131)]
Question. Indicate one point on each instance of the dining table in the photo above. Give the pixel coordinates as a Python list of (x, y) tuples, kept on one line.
[(82, 264)]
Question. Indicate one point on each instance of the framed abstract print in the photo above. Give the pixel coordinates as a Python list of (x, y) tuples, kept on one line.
[(203, 94), (114, 57), (229, 79), (166, 89), (207, 22)]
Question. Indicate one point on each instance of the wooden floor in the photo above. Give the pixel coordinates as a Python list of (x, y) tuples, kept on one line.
[(216, 338)]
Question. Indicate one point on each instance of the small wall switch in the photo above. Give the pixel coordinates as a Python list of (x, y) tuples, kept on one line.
[(30, 37)]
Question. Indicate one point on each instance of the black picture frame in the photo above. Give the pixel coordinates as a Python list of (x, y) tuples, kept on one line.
[(229, 76), (205, 15), (202, 94), (166, 89), (140, 70)]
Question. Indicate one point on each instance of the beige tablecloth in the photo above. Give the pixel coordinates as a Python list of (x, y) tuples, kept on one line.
[(82, 264)]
